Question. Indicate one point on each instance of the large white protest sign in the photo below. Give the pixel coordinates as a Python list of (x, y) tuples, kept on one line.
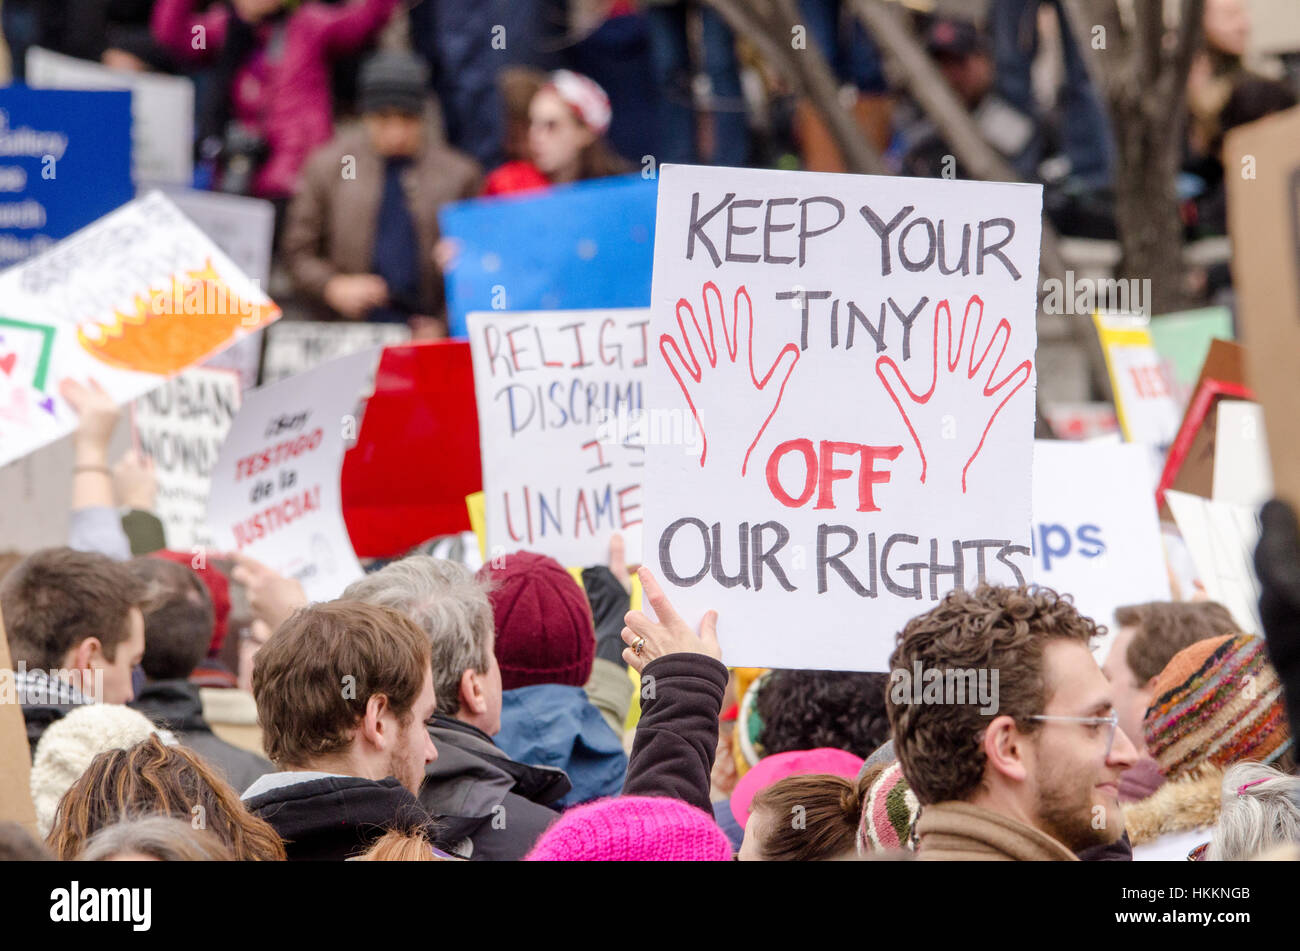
[(181, 426), (296, 346), (1243, 474), (275, 486), (1221, 538), (162, 111), (857, 353), (128, 301), (1096, 531), (560, 428)]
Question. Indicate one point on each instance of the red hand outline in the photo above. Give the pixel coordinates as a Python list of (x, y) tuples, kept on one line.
[(721, 390), (957, 391)]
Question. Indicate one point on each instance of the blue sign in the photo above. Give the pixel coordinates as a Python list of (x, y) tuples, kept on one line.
[(65, 160), (586, 245)]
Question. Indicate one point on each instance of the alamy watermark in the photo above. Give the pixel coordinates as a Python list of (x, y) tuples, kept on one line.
[(1084, 296), (945, 685)]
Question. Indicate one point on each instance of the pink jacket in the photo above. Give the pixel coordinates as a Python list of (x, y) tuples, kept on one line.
[(294, 103)]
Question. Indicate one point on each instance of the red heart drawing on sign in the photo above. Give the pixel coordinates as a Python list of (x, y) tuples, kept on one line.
[(7, 363)]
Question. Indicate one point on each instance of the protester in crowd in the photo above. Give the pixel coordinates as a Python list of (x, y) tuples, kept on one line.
[(361, 243), (771, 770), (857, 65), (1216, 703), (811, 818), (962, 55), (71, 744), (396, 846), (1028, 779), (1085, 131), (1277, 565), (807, 709), (268, 102), (568, 119), (152, 778), (1260, 811), (475, 789), (98, 491), (674, 75), (1217, 67), (210, 671), (889, 809), (75, 633), (155, 839), (546, 647), (344, 694), (178, 622), (18, 845), (633, 829), (1147, 638)]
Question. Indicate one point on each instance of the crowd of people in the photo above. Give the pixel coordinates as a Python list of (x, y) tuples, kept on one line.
[(188, 705), (524, 712), (360, 119)]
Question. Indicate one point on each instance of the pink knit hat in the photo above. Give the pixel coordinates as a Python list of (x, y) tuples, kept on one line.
[(633, 829), (773, 769)]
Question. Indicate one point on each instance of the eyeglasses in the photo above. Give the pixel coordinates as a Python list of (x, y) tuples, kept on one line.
[(1112, 721)]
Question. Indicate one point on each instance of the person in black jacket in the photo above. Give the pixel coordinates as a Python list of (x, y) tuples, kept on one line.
[(344, 695), (1277, 563), (178, 623)]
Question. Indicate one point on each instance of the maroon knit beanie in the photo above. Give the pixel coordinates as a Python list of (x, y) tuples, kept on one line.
[(545, 634)]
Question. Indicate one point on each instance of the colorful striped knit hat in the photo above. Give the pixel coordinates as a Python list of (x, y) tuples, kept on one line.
[(888, 812), (1218, 701)]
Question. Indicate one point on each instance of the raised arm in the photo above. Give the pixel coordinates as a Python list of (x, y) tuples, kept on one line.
[(190, 36)]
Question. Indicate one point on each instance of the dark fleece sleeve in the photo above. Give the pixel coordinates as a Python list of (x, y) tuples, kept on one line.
[(609, 602), (677, 735), (1277, 563)]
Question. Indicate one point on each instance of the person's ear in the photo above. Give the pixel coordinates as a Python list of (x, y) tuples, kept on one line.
[(1005, 748), (88, 655), (471, 692), (374, 728)]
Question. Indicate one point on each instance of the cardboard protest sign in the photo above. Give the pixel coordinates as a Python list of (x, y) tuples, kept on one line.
[(1145, 401), (181, 426), (1189, 465), (1096, 534), (577, 246), (1263, 177), (128, 301), (66, 160), (296, 346), (1221, 539), (417, 455), (275, 486), (1242, 474), (560, 416), (162, 111), (15, 779), (841, 403)]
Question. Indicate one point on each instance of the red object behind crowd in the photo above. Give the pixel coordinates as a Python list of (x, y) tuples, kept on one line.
[(417, 454)]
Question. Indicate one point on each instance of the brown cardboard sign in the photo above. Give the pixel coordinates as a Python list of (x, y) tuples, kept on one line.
[(1262, 170), (15, 755)]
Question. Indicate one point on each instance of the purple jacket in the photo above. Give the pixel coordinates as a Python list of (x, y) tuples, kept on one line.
[(292, 96)]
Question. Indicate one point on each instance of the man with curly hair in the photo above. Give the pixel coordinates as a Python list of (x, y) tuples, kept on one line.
[(1034, 776)]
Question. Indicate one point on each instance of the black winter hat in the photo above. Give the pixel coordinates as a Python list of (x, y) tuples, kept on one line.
[(393, 79)]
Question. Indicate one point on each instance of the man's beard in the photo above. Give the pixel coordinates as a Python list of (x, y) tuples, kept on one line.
[(1065, 812), (409, 775)]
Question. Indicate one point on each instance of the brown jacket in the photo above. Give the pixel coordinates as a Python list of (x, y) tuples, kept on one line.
[(961, 832), (330, 226)]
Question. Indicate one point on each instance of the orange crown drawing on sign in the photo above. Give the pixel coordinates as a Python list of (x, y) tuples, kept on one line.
[(173, 327)]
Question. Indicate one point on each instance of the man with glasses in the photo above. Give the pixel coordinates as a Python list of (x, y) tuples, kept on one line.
[(1037, 777)]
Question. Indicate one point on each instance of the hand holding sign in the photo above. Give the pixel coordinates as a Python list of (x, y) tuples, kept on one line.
[(670, 634), (929, 418), (730, 382)]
